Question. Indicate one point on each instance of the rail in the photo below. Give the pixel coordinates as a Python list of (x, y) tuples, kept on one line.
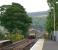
[(20, 45)]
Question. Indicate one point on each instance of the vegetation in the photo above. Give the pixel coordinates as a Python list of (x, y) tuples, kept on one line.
[(39, 22), (15, 19), (53, 13), (50, 18), (12, 37)]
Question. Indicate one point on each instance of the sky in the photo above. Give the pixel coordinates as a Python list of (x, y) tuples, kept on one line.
[(29, 5)]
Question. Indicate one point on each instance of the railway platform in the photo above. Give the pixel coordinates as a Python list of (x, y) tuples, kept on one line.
[(38, 45), (42, 44)]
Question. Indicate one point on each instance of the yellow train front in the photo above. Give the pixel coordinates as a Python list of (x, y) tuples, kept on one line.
[(32, 35)]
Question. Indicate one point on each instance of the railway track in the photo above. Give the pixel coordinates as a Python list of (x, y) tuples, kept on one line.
[(20, 45)]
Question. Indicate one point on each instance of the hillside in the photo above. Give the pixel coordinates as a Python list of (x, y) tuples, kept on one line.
[(38, 14), (38, 19)]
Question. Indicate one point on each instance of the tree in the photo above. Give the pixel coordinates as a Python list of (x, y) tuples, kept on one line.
[(15, 18), (53, 13), (56, 12), (50, 18)]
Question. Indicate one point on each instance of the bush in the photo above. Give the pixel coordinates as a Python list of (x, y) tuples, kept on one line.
[(12, 37), (19, 37), (1, 36), (15, 37)]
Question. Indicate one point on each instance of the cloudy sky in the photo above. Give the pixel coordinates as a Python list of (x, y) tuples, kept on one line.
[(29, 5)]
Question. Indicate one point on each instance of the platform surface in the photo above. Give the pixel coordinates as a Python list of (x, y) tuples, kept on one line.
[(38, 45)]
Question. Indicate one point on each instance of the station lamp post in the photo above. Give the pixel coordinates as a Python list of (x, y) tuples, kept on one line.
[(53, 8), (54, 16)]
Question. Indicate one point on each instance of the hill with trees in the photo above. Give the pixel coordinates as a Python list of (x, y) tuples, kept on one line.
[(39, 19)]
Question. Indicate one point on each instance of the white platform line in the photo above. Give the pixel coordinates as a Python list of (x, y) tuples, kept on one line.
[(38, 45)]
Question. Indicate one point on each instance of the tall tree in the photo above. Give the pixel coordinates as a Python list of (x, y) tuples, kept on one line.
[(15, 18), (50, 18)]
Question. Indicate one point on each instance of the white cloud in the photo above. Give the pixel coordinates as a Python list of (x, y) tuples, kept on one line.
[(29, 5)]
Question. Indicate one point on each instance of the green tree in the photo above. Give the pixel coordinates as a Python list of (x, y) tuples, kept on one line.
[(15, 17), (50, 18), (53, 13), (56, 12)]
